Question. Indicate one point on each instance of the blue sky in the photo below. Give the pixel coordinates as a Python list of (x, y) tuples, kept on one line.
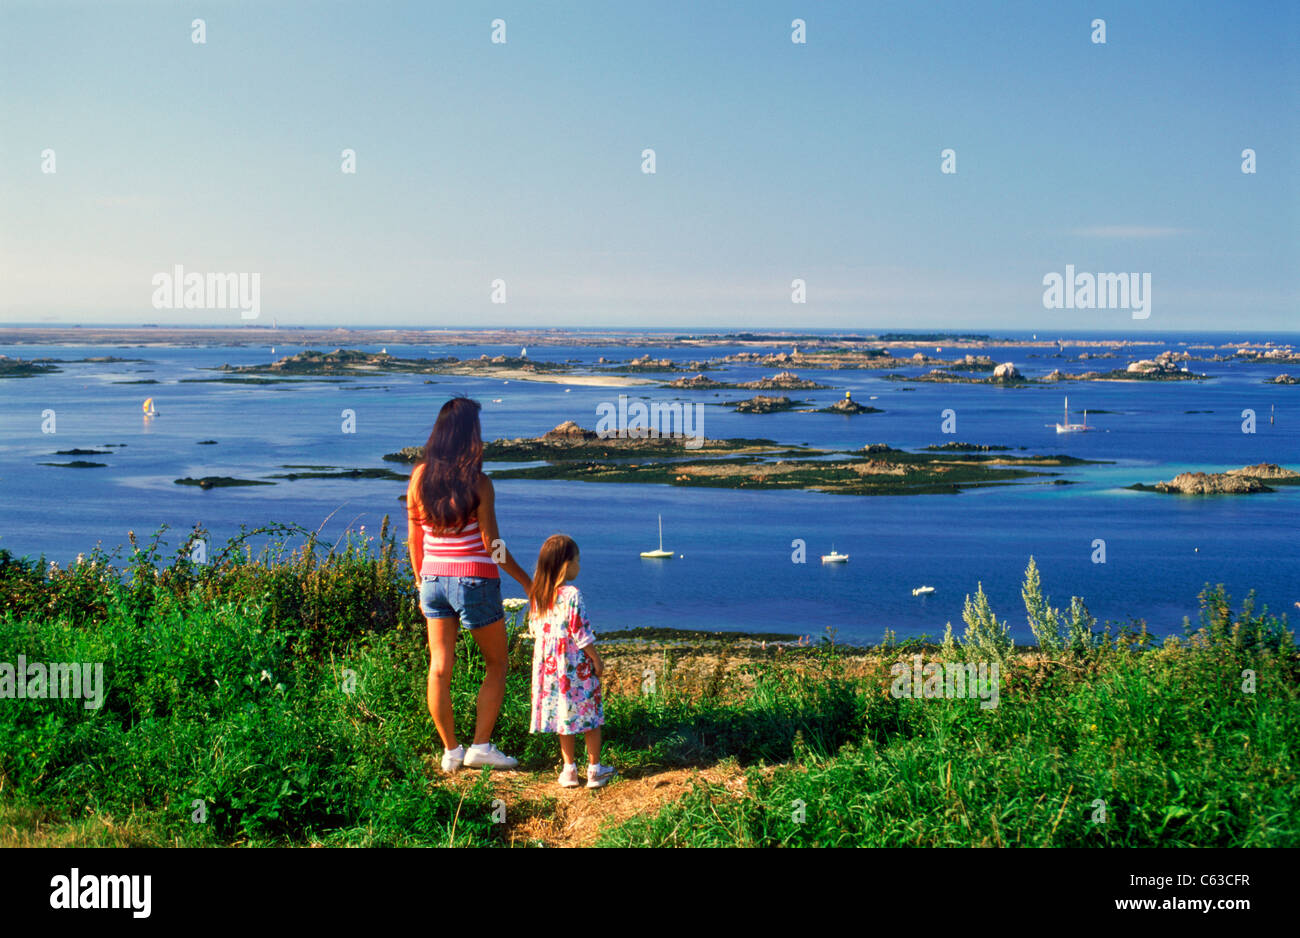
[(775, 161)]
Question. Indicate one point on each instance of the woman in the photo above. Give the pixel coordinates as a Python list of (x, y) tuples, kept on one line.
[(455, 548)]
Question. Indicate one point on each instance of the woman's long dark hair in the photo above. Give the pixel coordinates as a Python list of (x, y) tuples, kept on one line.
[(453, 462)]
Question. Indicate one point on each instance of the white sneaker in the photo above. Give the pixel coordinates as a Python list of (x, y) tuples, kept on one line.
[(569, 777), (453, 759), (490, 756), (598, 775)]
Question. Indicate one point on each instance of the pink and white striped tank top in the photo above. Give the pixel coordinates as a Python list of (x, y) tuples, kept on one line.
[(458, 554)]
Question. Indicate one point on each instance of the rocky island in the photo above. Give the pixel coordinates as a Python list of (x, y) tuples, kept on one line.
[(570, 442), (762, 404), (353, 362), (784, 381), (573, 453), (846, 405), (1245, 481)]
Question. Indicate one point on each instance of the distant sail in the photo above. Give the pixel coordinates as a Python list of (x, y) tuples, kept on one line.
[(148, 407)]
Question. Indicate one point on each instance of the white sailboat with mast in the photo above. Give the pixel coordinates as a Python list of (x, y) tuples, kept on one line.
[(659, 554), (835, 557), (1068, 427)]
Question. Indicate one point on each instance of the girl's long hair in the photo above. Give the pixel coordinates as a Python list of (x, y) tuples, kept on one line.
[(453, 462), (552, 560)]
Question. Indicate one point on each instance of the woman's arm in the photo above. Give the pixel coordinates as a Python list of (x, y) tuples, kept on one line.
[(492, 542), (414, 530)]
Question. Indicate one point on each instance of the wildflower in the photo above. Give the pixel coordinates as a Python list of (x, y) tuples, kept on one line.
[(1093, 727)]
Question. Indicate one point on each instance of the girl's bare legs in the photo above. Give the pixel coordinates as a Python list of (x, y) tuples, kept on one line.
[(567, 748), (592, 738), (442, 654), (492, 643)]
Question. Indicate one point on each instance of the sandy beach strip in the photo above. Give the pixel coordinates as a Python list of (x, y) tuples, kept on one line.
[(588, 381)]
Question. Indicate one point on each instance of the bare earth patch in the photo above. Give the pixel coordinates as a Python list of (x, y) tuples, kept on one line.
[(540, 812)]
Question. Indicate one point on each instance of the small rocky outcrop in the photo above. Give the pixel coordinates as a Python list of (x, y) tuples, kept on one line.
[(1265, 470), (784, 381), (1283, 379), (761, 404), (1163, 364), (847, 405), (697, 383), (1007, 372), (569, 431), (1211, 483)]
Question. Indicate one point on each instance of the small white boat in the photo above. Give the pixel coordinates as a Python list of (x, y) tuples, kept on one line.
[(923, 591), (496, 400), (835, 557), (659, 554), (523, 352), (1068, 427)]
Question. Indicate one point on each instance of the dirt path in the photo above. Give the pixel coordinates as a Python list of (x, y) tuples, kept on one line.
[(539, 811)]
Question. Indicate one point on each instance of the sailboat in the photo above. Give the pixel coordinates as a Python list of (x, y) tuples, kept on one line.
[(148, 408), (1068, 427), (523, 351), (834, 557), (659, 554)]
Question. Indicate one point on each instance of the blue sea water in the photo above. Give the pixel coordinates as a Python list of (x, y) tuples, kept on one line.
[(735, 568)]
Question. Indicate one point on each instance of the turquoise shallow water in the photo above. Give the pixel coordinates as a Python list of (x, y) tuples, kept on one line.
[(736, 570)]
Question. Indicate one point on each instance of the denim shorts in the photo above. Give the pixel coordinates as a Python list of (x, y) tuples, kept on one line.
[(475, 600)]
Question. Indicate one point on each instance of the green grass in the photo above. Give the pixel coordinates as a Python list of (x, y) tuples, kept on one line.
[(286, 693)]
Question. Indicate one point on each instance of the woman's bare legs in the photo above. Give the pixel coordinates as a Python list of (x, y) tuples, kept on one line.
[(442, 654), (491, 641)]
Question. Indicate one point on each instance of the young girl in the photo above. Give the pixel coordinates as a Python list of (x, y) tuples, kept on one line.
[(566, 665)]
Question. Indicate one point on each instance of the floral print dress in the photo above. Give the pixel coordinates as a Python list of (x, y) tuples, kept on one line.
[(566, 691)]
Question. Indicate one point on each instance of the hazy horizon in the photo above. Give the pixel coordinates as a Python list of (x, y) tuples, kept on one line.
[(522, 162)]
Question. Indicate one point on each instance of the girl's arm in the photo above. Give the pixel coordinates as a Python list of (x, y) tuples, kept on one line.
[(593, 656), (580, 629), (487, 523)]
